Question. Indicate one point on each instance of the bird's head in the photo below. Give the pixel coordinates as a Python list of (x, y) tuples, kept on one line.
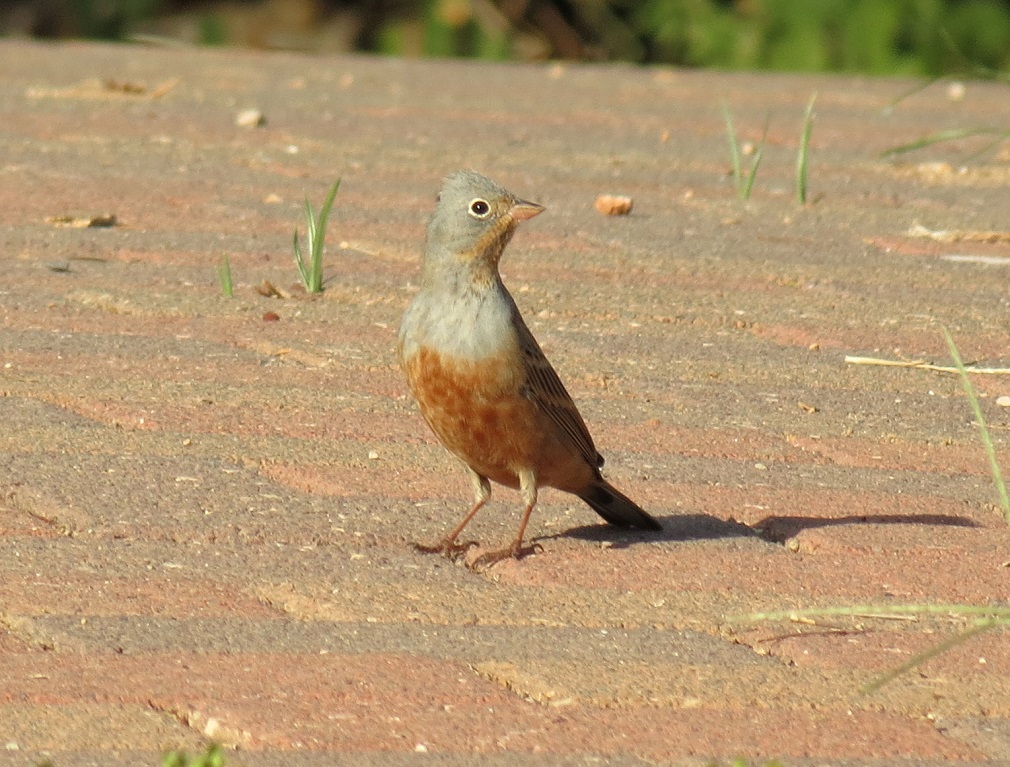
[(474, 220)]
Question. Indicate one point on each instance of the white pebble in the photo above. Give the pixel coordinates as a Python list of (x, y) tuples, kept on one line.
[(250, 118)]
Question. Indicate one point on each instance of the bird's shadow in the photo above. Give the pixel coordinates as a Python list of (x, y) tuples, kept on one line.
[(782, 528), (681, 527), (776, 529)]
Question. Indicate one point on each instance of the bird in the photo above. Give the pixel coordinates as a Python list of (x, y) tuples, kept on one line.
[(481, 380)]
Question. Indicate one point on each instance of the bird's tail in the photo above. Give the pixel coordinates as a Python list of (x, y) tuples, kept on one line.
[(617, 508)]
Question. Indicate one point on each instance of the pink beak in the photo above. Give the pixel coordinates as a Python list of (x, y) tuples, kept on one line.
[(523, 210)]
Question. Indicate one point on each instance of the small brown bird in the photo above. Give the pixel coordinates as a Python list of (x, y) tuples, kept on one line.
[(481, 381)]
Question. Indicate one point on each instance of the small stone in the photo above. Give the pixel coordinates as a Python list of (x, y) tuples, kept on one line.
[(84, 222), (613, 204), (212, 727), (1003, 401), (250, 118), (271, 317)]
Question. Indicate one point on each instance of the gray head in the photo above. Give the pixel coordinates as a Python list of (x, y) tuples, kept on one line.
[(474, 220)]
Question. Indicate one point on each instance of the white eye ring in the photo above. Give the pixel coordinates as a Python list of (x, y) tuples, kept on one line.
[(479, 208)]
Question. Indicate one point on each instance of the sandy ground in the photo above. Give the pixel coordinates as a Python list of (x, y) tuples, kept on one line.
[(207, 504)]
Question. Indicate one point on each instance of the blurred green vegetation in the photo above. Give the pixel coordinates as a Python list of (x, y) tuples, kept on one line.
[(912, 37)]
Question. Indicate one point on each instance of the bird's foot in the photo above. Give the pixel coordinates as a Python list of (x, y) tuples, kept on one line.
[(447, 547), (515, 551)]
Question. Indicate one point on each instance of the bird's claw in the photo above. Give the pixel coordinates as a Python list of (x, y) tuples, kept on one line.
[(515, 551), (447, 547)]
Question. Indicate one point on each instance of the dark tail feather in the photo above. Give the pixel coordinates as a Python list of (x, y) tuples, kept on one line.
[(615, 507)]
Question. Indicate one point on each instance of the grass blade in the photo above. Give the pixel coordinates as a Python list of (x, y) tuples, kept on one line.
[(988, 617), (990, 450), (803, 155), (734, 149), (887, 110), (938, 649), (300, 261), (756, 162), (310, 233), (744, 184), (993, 613), (1000, 138), (324, 212), (316, 257), (748, 185), (938, 138), (224, 277)]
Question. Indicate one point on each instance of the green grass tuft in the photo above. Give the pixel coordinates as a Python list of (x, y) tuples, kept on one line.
[(311, 269), (802, 157), (744, 184), (224, 277), (212, 757)]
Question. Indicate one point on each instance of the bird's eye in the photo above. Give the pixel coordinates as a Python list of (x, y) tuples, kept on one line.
[(479, 208)]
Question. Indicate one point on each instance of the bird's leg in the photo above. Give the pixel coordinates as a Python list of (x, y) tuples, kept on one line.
[(448, 547), (528, 488)]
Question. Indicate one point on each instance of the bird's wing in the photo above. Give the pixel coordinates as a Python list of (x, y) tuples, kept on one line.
[(545, 389)]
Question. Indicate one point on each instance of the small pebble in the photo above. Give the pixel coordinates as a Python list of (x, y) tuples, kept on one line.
[(271, 317), (1003, 401), (250, 118), (613, 205)]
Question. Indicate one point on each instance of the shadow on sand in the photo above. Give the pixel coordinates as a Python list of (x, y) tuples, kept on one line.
[(776, 529)]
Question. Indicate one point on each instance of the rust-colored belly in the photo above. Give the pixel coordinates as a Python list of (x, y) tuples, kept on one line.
[(478, 412)]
